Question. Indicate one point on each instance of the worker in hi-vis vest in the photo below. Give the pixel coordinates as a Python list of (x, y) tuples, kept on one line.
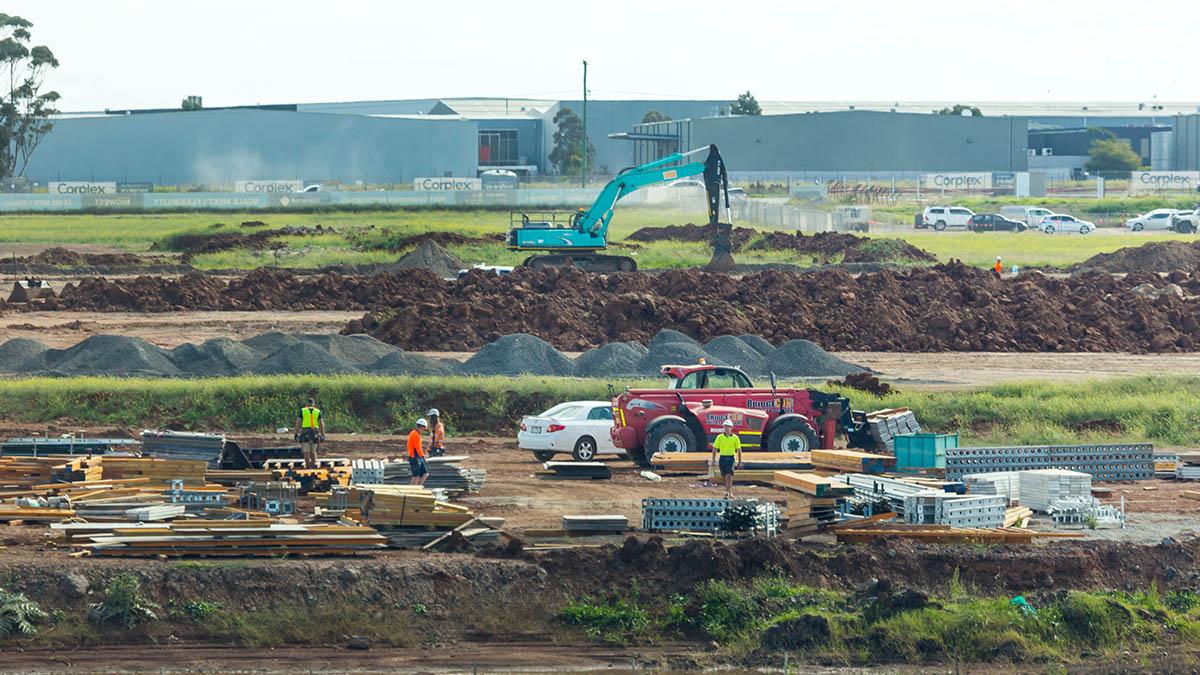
[(310, 431)]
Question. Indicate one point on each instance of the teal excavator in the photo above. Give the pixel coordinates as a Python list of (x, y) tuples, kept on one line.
[(579, 239)]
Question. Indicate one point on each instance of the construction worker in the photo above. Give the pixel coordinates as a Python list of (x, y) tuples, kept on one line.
[(416, 454), (437, 433), (998, 267), (310, 432), (728, 446)]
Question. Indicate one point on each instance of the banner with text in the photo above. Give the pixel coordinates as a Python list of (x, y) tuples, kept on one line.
[(268, 186), (80, 188), (447, 184), (956, 181), (1141, 182)]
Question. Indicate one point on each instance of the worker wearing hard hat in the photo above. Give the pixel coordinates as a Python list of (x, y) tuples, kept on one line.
[(728, 447), (437, 433), (310, 431), (998, 268), (416, 454)]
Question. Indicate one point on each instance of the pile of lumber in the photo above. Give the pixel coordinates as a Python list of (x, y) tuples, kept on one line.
[(805, 514), (444, 472), (183, 445), (1188, 466), (158, 471), (575, 471), (407, 506), (221, 538), (885, 425), (599, 524), (881, 526), (812, 484), (853, 461), (18, 472), (698, 462), (12, 513), (1017, 516)]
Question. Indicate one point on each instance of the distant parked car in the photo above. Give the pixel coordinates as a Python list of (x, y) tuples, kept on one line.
[(994, 222), (737, 194), (1187, 222), (316, 187), (941, 217), (1030, 215), (687, 183), (1158, 219), (580, 428), (1061, 222)]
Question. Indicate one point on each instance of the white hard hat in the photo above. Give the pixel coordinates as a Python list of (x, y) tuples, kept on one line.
[(997, 257), (433, 412), (728, 423), (422, 423)]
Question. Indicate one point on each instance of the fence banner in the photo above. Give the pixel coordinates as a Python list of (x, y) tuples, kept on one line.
[(956, 181), (81, 188), (1141, 182), (447, 184), (268, 186)]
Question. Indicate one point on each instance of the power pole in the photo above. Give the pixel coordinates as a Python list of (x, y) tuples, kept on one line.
[(583, 167)]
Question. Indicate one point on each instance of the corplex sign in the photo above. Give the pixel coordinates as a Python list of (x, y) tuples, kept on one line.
[(80, 188), (447, 184), (956, 181), (1156, 181), (268, 186)]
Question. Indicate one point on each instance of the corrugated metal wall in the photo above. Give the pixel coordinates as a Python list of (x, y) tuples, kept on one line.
[(1185, 138)]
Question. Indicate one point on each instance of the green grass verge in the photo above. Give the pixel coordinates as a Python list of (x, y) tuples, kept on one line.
[(1028, 249), (756, 620), (1158, 409)]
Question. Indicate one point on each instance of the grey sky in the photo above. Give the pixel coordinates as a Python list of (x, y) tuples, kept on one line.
[(142, 53)]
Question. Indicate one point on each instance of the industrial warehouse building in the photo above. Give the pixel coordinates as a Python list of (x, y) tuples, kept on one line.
[(397, 141)]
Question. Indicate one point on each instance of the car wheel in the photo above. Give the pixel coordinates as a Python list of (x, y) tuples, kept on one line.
[(585, 449), (1137, 227), (1084, 229), (792, 436), (668, 437), (939, 225), (1048, 229), (544, 455)]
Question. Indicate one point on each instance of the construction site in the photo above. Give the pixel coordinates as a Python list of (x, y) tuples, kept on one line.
[(462, 385)]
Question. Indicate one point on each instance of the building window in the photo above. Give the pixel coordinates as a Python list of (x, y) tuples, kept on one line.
[(498, 147)]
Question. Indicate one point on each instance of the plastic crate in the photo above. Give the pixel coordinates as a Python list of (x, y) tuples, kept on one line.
[(923, 451)]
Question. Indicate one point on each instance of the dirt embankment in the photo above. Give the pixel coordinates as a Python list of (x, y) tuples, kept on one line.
[(691, 232), (825, 246), (948, 307), (57, 260), (1156, 256), (197, 243)]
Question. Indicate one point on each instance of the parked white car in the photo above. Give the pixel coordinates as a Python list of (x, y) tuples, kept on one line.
[(1158, 219), (1061, 222), (1030, 215), (576, 427), (1187, 222), (941, 217)]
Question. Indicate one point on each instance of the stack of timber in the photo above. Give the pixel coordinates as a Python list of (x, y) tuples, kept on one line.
[(20, 472), (601, 524), (812, 484), (444, 472), (853, 461), (1188, 466), (867, 530), (11, 513), (407, 506), (698, 463), (70, 445), (575, 471), (805, 514), (231, 478), (225, 538), (184, 445), (885, 425), (1017, 516), (159, 471)]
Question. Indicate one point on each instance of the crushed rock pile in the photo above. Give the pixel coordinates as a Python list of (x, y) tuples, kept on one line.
[(428, 256), (1156, 256), (321, 354)]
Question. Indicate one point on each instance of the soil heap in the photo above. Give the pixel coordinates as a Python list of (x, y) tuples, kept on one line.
[(428, 256), (692, 233), (1156, 256), (839, 247)]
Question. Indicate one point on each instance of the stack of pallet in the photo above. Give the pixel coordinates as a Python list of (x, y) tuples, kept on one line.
[(1188, 466), (575, 471), (1004, 483), (885, 425), (231, 477), (444, 472), (699, 462), (184, 445), (222, 538), (853, 461), (607, 524), (159, 471), (1040, 488)]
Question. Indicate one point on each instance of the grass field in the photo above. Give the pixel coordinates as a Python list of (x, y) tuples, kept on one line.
[(1162, 409), (363, 237)]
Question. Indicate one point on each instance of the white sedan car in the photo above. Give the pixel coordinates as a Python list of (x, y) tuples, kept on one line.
[(578, 427), (1061, 222), (1158, 219)]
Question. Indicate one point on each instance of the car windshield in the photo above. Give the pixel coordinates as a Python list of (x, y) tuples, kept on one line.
[(563, 411)]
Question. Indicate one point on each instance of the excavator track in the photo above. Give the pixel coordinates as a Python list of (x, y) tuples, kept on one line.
[(588, 262)]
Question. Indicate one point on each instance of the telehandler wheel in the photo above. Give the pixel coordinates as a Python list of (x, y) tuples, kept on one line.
[(670, 436), (792, 436)]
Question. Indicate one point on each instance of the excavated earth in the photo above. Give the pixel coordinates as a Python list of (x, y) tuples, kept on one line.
[(948, 307), (58, 260), (693, 233), (1156, 255), (825, 246)]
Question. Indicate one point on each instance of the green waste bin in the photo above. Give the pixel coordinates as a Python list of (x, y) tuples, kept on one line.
[(923, 451)]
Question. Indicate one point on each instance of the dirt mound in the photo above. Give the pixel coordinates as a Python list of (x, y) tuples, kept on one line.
[(399, 363), (864, 382), (21, 355), (1156, 256), (614, 358), (56, 260), (801, 358), (441, 238), (838, 247), (693, 233), (196, 243), (516, 355), (428, 256)]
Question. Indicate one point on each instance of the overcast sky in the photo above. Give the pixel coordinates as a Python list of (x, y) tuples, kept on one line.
[(143, 53)]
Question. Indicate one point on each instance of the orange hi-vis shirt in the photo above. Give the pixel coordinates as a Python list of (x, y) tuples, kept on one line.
[(414, 444)]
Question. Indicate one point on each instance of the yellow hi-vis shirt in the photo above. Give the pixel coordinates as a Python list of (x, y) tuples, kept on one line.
[(727, 446), (310, 418)]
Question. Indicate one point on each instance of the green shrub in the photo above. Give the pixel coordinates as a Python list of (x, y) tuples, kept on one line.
[(18, 614), (612, 620), (123, 603)]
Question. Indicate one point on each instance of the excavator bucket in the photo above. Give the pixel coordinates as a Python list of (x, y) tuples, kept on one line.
[(722, 258), (28, 290)]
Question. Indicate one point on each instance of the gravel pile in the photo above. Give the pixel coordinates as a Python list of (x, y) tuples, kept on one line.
[(801, 358), (735, 352), (430, 256), (614, 358), (518, 354)]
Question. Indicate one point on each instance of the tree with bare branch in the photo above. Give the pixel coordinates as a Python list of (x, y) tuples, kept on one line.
[(25, 110)]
